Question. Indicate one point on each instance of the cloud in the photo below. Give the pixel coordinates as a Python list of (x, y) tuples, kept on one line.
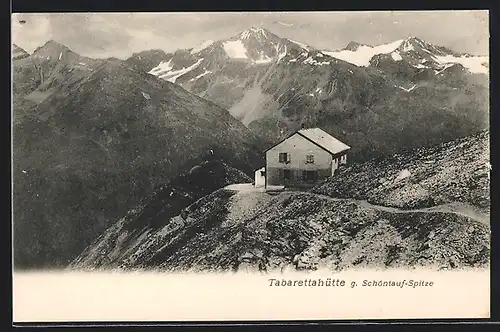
[(285, 24), (121, 34), (29, 34)]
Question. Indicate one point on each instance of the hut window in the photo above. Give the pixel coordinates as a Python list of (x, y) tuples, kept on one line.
[(284, 157)]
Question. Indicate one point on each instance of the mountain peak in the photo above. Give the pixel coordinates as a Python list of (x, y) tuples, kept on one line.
[(16, 47), (412, 39), (418, 45), (51, 48), (257, 29), (417, 42), (18, 52), (254, 31), (53, 43)]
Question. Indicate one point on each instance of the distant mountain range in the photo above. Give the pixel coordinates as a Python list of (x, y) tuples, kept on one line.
[(92, 137), (275, 85), (413, 50)]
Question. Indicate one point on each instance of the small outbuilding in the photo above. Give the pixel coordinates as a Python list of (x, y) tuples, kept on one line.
[(260, 177)]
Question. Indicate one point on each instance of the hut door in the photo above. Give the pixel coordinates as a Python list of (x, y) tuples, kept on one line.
[(310, 176)]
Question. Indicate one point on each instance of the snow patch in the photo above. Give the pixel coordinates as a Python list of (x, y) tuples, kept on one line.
[(201, 75), (473, 63), (176, 74), (164, 70), (408, 47), (408, 90), (402, 175), (202, 46), (60, 56), (265, 59), (235, 49), (281, 55), (446, 66), (396, 56), (420, 66), (427, 51), (163, 66), (145, 95), (362, 56), (311, 61)]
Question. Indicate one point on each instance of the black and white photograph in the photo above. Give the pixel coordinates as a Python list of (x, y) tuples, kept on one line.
[(259, 143)]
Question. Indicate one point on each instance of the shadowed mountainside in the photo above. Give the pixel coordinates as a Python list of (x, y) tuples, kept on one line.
[(99, 141), (153, 211), (405, 94)]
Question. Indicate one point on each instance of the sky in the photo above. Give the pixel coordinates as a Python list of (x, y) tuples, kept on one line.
[(102, 35)]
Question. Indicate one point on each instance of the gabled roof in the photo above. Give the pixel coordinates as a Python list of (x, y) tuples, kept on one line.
[(325, 140), (320, 138)]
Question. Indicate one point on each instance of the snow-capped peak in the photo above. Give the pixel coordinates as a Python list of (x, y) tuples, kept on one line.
[(418, 45), (254, 45), (362, 54), (443, 57), (259, 32), (474, 64), (417, 49)]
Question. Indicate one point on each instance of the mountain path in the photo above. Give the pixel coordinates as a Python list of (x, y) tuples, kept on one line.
[(454, 207)]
